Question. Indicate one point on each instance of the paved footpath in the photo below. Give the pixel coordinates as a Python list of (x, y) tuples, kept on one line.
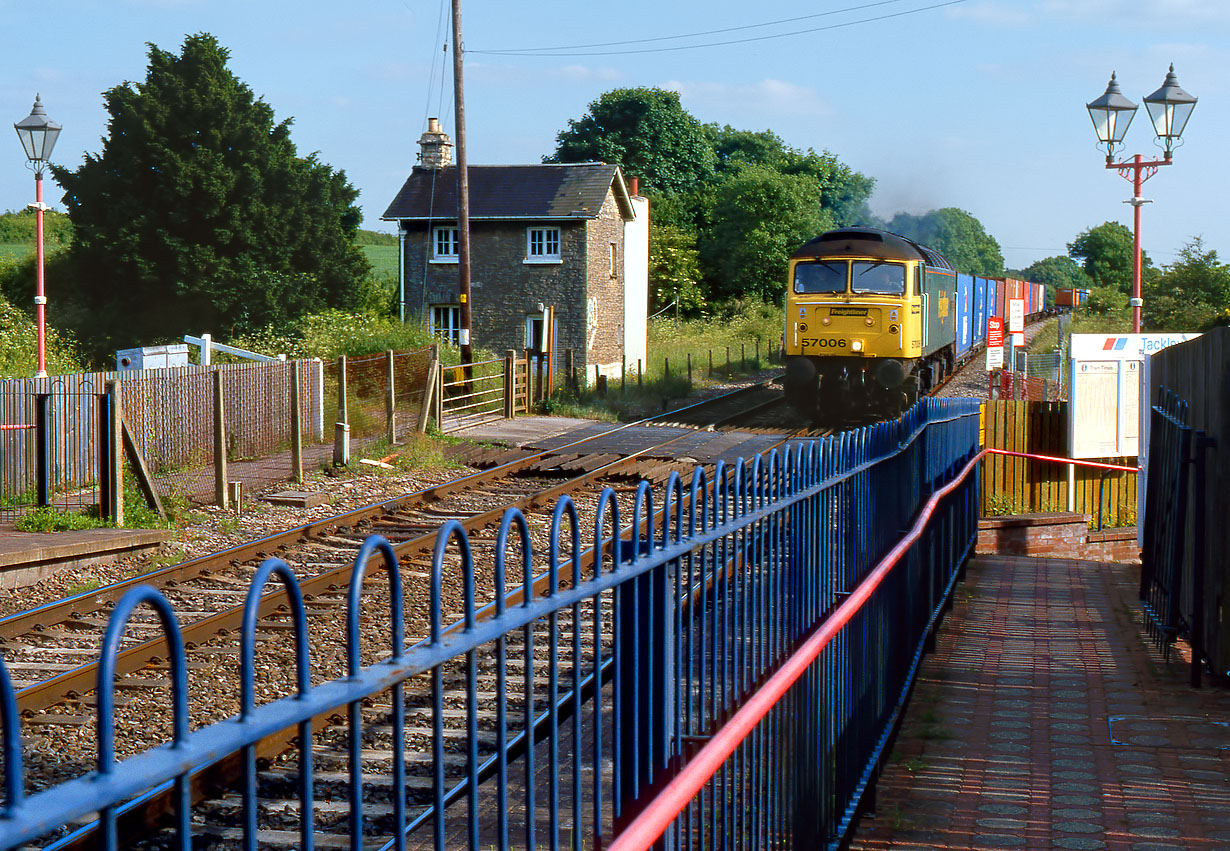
[(1046, 719)]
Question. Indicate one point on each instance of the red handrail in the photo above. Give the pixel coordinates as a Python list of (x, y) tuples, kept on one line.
[(670, 802), (662, 810)]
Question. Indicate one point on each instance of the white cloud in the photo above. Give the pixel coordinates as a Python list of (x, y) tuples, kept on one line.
[(768, 96)]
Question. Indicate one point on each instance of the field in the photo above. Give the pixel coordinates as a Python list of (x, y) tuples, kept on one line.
[(15, 250), (383, 259)]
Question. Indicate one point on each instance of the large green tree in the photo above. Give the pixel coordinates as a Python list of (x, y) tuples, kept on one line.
[(843, 191), (1105, 253), (646, 132), (199, 214), (1057, 272), (957, 235), (760, 216), (1190, 293)]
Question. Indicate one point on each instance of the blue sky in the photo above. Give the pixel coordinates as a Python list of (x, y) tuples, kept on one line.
[(977, 104)]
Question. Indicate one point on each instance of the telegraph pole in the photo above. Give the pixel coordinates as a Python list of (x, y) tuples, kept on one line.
[(463, 192)]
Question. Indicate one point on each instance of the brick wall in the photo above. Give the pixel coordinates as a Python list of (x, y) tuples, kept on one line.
[(605, 303), (1055, 535)]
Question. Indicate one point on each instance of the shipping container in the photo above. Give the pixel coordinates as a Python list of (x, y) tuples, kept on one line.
[(965, 313), (980, 309)]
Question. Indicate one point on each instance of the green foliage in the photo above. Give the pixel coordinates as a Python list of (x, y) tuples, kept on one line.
[(52, 520), (646, 132), (760, 216), (1106, 310), (1105, 253), (1190, 293), (957, 235), (374, 237), (1057, 272), (20, 227), (331, 333), (674, 270), (18, 349), (200, 215)]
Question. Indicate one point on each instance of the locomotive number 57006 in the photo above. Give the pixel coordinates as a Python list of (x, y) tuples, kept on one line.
[(823, 343)]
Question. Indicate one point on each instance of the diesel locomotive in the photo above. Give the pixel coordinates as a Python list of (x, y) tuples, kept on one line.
[(874, 320)]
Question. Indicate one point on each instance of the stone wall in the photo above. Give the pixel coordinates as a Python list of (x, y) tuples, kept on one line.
[(506, 289)]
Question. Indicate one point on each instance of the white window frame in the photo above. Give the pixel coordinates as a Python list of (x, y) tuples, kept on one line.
[(436, 233), (539, 242), (446, 322)]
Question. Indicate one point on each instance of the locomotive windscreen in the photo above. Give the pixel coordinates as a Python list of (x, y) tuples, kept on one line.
[(820, 277), (878, 277)]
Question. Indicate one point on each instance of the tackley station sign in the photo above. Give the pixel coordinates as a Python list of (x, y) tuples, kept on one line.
[(1107, 385)]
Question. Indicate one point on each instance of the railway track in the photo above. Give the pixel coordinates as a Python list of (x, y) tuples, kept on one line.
[(45, 648)]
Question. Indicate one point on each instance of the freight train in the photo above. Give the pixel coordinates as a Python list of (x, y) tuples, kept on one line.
[(874, 320)]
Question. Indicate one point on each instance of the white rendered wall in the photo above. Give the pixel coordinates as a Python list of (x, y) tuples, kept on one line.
[(636, 283)]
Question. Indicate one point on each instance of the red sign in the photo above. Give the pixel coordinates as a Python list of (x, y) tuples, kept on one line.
[(995, 332)]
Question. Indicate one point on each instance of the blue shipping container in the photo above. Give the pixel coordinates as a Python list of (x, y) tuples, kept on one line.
[(965, 313), (980, 309)]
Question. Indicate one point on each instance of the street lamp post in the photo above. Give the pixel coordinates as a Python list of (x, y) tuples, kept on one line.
[(1169, 108), (38, 136)]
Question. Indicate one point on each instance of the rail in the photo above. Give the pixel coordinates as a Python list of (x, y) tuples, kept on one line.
[(649, 651)]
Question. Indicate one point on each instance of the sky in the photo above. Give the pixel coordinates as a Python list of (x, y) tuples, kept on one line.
[(977, 104)]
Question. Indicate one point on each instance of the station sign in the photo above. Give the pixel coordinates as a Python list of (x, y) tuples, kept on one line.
[(995, 342), (1106, 387), (1016, 315)]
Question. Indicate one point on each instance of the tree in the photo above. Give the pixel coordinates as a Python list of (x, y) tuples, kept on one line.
[(674, 270), (760, 216), (646, 132), (843, 191), (1105, 253), (957, 235), (1057, 272), (1190, 293), (199, 214)]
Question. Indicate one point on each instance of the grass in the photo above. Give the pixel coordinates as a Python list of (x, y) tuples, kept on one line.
[(383, 259)]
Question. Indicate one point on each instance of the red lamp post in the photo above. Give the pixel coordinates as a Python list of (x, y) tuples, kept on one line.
[(1169, 108), (38, 136)]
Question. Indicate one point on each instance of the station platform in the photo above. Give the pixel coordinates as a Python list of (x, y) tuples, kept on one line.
[(27, 557), (551, 433), (1047, 719)]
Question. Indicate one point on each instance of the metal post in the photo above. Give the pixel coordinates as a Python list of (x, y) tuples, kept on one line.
[(510, 407), (296, 426), (1137, 202), (390, 399), (115, 447), (220, 493), (40, 299), (42, 449), (341, 427), (728, 361)]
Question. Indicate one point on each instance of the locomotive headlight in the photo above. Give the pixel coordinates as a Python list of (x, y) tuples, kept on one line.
[(856, 345)]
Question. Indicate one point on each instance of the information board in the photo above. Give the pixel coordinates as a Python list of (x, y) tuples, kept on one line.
[(1105, 391), (1016, 315)]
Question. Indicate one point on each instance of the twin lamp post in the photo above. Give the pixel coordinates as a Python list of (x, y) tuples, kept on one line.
[(1169, 108), (38, 135)]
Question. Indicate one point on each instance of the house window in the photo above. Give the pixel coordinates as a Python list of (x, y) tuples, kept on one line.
[(446, 321), (614, 268), (444, 245), (542, 245)]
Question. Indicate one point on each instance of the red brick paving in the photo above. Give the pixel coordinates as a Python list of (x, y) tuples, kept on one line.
[(1046, 719)]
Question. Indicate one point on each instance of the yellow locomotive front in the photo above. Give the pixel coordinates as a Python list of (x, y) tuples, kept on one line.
[(853, 322)]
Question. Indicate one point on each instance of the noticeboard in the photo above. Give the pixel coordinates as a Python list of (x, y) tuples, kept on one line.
[(1105, 391), (1016, 315)]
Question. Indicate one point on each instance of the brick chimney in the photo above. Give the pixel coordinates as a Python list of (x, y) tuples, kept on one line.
[(434, 146)]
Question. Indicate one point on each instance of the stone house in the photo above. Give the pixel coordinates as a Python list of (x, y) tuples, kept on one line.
[(569, 237)]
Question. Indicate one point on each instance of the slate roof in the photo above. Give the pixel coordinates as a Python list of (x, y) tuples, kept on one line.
[(549, 191)]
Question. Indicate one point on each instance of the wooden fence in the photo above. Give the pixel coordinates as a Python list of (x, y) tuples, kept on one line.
[(1021, 485)]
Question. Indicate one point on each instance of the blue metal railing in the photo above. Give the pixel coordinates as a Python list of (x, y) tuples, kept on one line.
[(587, 685)]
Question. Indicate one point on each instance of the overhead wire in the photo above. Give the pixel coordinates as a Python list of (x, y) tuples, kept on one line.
[(583, 50)]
